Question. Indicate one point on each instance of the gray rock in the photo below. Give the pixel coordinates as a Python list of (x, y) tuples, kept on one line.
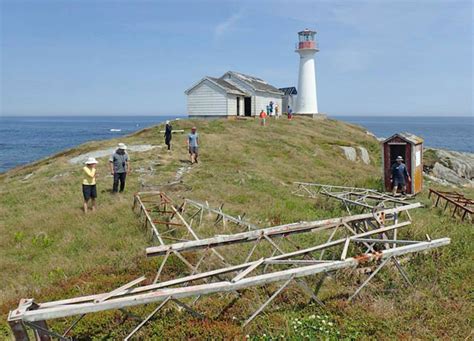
[(461, 163), (349, 153), (364, 155), (27, 177), (447, 174)]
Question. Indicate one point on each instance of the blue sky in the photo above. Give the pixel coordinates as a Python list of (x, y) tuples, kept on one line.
[(137, 57)]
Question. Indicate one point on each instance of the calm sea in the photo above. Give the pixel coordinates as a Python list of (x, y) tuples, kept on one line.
[(26, 139), (452, 133)]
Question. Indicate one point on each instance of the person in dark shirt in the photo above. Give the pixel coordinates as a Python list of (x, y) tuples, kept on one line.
[(168, 133), (399, 174), (119, 167)]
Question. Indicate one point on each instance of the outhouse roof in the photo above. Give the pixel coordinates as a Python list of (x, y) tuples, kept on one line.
[(409, 137), (256, 83), (289, 91)]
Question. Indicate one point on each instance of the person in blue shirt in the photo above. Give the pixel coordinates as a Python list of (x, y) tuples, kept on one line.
[(193, 145), (398, 175)]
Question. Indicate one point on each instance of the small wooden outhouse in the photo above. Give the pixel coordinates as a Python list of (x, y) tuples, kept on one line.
[(410, 148)]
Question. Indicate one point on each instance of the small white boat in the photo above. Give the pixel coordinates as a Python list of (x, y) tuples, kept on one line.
[(115, 129)]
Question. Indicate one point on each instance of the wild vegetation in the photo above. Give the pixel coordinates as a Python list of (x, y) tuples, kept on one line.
[(50, 250)]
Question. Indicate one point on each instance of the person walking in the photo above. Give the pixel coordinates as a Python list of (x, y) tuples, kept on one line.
[(89, 188), (193, 145), (268, 110), (290, 113), (168, 134), (263, 117), (399, 173), (119, 167), (277, 111)]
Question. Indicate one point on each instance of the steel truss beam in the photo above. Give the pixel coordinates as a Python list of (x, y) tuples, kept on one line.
[(280, 266), (281, 230), (81, 305), (351, 197)]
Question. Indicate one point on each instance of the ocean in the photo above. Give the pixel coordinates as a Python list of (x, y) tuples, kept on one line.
[(26, 139), (452, 133)]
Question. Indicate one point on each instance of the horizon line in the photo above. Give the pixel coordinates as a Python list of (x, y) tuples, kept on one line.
[(185, 115)]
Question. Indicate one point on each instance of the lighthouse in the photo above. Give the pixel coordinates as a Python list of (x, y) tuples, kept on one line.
[(306, 101)]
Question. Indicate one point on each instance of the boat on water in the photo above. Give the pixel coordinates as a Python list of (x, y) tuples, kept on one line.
[(115, 129)]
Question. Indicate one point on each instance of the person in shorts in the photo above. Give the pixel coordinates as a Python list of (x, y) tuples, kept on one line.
[(89, 187), (193, 145), (399, 174)]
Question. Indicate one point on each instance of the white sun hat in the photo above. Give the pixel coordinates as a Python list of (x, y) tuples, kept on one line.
[(122, 146), (91, 161), (167, 121), (399, 157)]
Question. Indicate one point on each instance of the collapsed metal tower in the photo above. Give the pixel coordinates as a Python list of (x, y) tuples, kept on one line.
[(362, 199), (245, 257)]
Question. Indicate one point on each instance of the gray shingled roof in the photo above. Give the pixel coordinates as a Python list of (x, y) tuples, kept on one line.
[(256, 83), (409, 137), (227, 86)]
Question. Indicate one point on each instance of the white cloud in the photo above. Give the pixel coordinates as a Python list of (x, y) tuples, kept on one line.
[(226, 25)]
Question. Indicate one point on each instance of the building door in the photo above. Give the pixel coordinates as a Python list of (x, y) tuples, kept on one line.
[(400, 149), (248, 106), (237, 99), (397, 150)]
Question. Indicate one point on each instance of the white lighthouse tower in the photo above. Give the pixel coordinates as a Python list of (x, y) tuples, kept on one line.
[(306, 101)]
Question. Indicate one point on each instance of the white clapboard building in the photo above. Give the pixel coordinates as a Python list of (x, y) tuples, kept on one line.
[(233, 94)]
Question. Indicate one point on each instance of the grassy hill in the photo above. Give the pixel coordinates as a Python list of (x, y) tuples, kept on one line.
[(50, 250)]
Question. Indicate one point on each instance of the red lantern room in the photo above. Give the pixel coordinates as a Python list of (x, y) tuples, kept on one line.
[(306, 40)]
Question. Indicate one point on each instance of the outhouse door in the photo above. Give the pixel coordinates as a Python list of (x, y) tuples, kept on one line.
[(395, 149)]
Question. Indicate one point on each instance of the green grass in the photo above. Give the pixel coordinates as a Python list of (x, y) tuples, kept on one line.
[(50, 250)]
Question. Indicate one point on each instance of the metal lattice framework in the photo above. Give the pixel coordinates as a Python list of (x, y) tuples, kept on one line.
[(245, 258), (284, 268), (363, 199), (461, 205)]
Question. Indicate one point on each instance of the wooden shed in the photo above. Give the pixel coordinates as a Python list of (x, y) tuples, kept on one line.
[(410, 147)]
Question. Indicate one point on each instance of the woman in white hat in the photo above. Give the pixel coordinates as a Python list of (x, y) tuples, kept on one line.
[(89, 189), (119, 167)]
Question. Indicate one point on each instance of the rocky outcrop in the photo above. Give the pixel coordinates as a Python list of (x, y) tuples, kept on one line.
[(364, 155), (449, 175), (351, 154), (456, 168), (461, 163)]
